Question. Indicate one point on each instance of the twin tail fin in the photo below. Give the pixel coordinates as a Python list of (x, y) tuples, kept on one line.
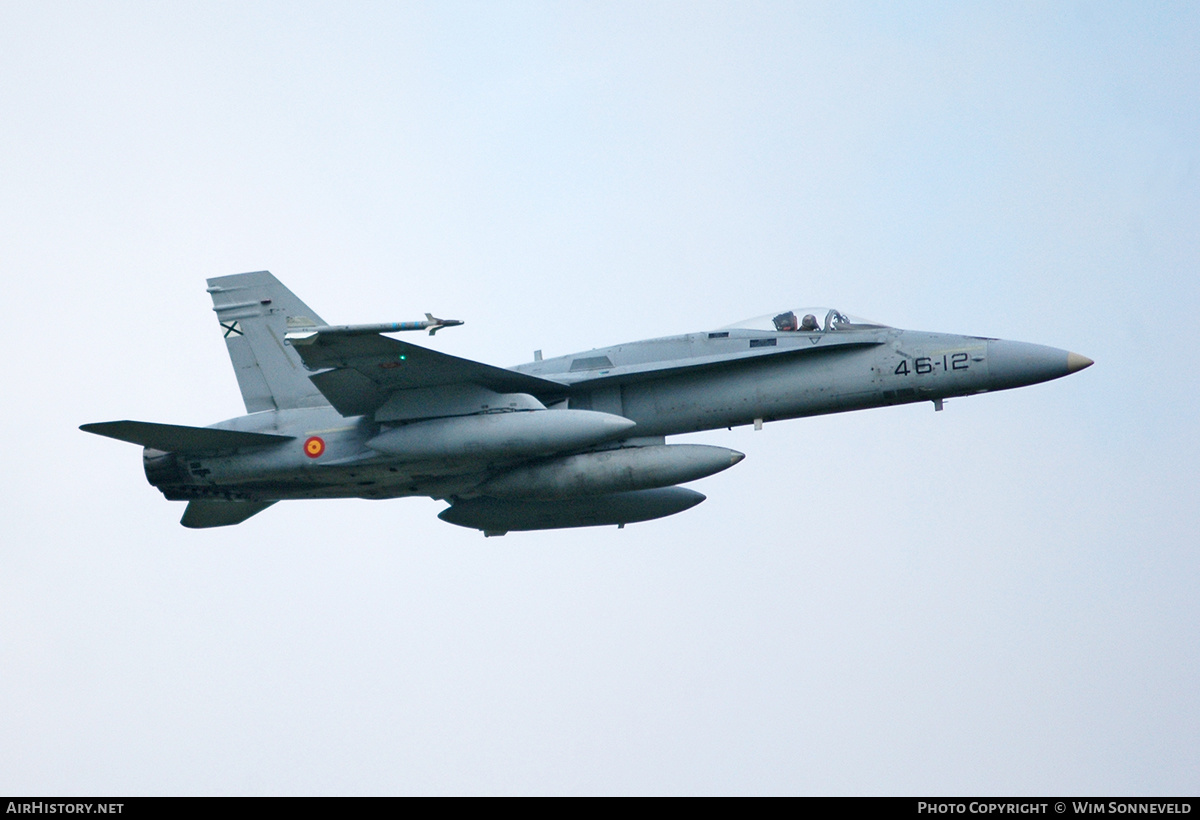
[(255, 311)]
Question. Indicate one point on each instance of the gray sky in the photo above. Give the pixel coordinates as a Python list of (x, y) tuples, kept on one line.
[(999, 598)]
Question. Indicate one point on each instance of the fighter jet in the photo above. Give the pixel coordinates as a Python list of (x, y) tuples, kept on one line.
[(344, 411)]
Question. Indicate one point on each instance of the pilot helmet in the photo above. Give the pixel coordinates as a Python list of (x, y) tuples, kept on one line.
[(785, 321)]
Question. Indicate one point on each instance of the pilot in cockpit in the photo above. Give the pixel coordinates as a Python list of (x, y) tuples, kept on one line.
[(786, 323)]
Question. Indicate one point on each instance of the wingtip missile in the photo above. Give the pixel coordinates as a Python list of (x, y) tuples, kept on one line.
[(308, 334), (435, 324)]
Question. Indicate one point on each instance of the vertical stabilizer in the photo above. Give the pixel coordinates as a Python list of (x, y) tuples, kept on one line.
[(255, 311)]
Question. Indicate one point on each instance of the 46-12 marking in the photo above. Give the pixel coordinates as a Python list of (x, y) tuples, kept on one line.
[(924, 364)]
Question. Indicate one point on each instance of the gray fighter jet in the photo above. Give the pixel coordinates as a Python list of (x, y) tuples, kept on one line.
[(342, 411)]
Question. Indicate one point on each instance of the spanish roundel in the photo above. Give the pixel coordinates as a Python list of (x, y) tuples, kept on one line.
[(314, 446)]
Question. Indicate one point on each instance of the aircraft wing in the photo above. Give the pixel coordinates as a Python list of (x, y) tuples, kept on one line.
[(361, 371)]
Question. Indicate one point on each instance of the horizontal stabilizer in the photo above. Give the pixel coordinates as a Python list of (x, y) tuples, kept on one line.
[(200, 515), (174, 437)]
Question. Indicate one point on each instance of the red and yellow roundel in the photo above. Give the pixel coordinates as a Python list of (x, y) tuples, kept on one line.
[(314, 446)]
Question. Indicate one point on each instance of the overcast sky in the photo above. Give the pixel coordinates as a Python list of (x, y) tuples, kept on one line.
[(999, 598)]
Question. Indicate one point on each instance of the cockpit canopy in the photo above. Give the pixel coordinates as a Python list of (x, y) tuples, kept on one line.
[(806, 320)]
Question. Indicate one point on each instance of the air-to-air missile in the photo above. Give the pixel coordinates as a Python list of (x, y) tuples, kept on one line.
[(339, 411), (300, 334)]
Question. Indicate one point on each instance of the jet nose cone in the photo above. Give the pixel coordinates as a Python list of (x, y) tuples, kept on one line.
[(1016, 364), (1075, 362)]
